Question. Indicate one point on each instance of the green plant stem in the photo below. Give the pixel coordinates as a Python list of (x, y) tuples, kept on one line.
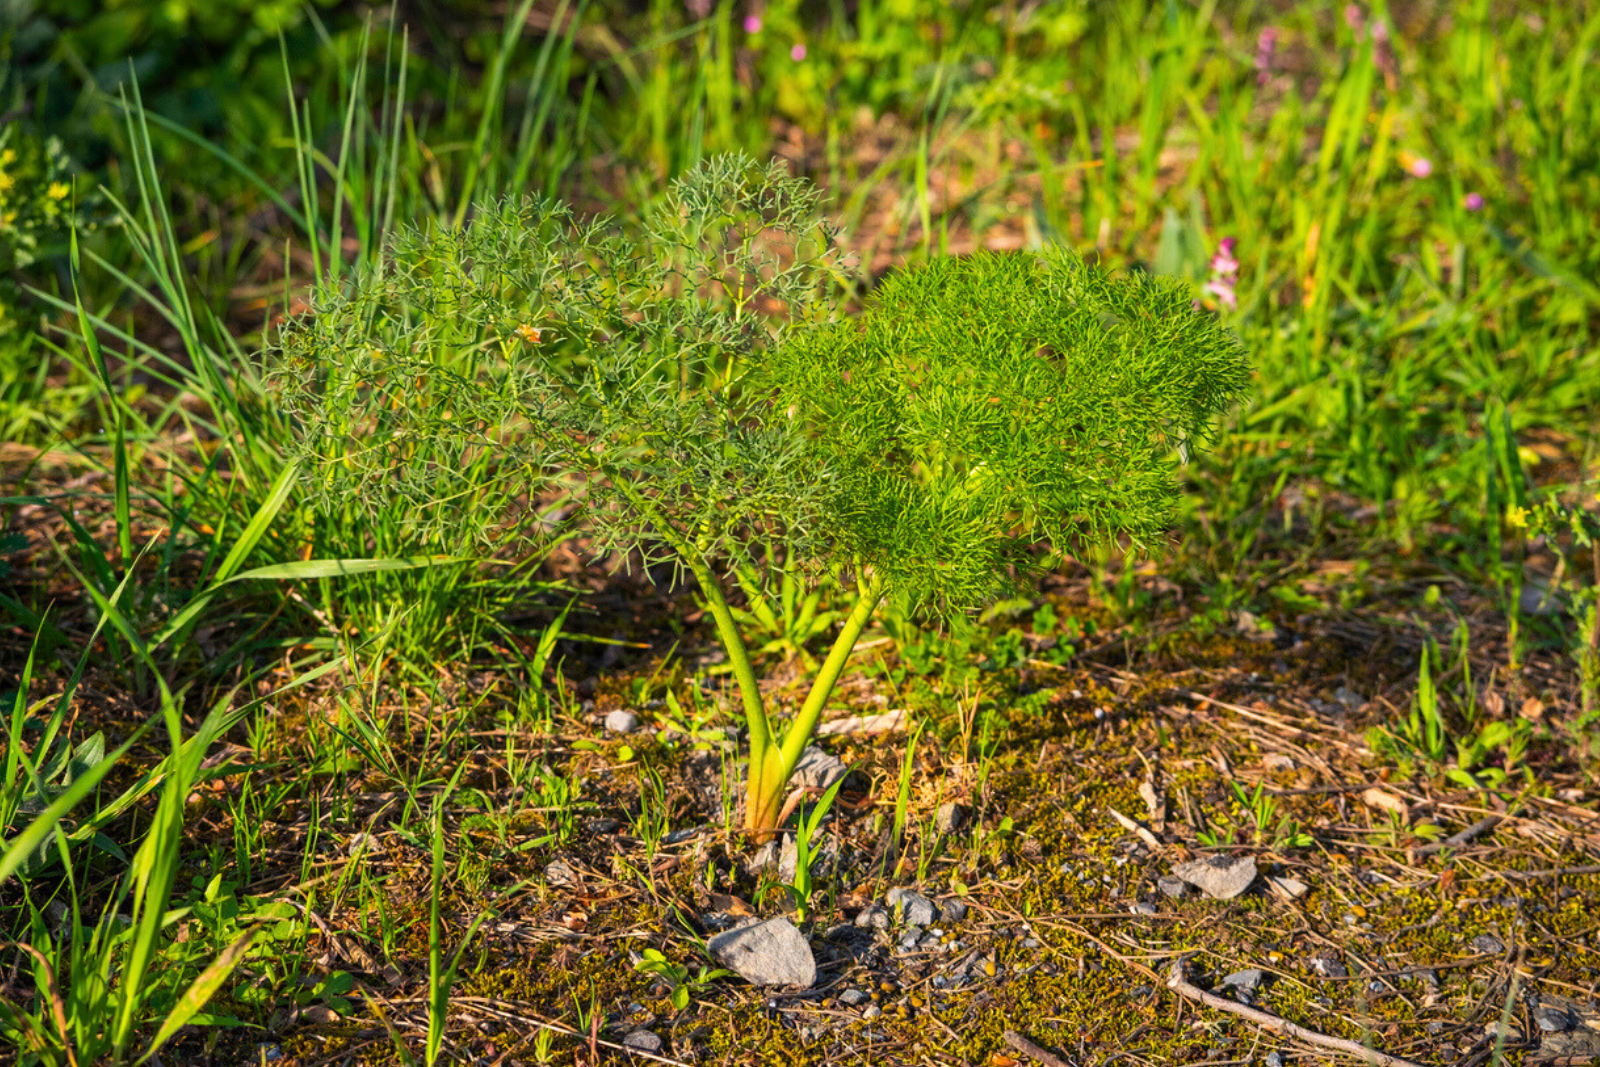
[(755, 711), (1589, 670), (772, 759), (771, 766)]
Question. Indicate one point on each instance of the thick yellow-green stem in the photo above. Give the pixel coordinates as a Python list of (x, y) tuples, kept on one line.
[(771, 766), (772, 759)]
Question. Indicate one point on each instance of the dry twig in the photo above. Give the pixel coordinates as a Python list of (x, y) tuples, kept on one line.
[(1178, 983), (1032, 1051)]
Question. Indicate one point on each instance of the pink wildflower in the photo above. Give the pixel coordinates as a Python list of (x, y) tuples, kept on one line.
[(752, 24), (1224, 275), (798, 52), (1266, 47), (1472, 202), (1382, 49)]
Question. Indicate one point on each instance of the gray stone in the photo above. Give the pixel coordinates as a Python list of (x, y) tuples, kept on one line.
[(1537, 598), (953, 911), (851, 997), (1248, 979), (765, 860), (951, 817), (643, 1041), (1427, 976), (559, 872), (1554, 1020), (1349, 698), (817, 769), (1144, 908), (1173, 886), (1488, 944), (770, 953), (1275, 1059), (622, 721), (873, 917), (1222, 877), (914, 908)]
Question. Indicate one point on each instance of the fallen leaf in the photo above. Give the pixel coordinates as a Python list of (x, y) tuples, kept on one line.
[(1384, 800)]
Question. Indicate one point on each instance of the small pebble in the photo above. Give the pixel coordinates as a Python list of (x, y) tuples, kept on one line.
[(643, 1041), (1553, 1020), (1172, 885), (1249, 979), (912, 907), (851, 997), (622, 721), (560, 873), (951, 817), (1274, 1059)]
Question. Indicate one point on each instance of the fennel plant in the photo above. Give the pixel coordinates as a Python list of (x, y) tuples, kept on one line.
[(699, 395)]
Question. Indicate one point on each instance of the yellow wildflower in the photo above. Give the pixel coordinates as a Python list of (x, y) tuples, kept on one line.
[(1516, 517), (6, 182), (528, 333), (58, 190), (8, 157)]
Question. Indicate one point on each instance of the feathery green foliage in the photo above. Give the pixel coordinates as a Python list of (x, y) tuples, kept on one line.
[(559, 350), (983, 416), (986, 403)]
